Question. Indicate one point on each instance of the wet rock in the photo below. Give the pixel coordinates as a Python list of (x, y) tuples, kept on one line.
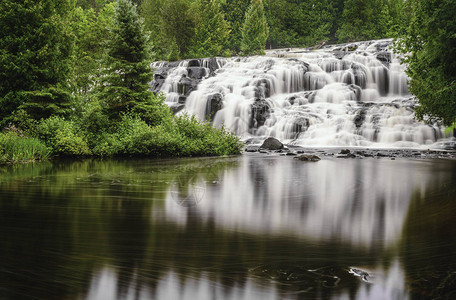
[(300, 124), (252, 148), (344, 151), (213, 105), (307, 157), (196, 72), (271, 144), (194, 63), (291, 154), (262, 87), (175, 108), (385, 58), (186, 86), (339, 54), (212, 65), (359, 118), (260, 113), (360, 75)]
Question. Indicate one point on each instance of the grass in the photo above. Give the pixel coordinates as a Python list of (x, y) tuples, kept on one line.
[(15, 148)]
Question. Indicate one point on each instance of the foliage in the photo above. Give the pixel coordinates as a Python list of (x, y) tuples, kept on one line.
[(90, 28), (255, 29), (212, 30), (127, 73), (35, 48), (15, 147), (178, 26), (63, 137), (430, 45), (234, 11)]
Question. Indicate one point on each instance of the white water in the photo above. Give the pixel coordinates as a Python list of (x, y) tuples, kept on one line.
[(313, 98)]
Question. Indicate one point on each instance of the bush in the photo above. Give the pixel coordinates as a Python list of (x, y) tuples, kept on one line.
[(63, 137), (15, 147)]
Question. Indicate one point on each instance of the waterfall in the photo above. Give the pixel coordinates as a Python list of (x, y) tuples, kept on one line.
[(343, 95)]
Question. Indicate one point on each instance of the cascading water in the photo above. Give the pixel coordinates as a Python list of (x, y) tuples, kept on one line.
[(353, 95)]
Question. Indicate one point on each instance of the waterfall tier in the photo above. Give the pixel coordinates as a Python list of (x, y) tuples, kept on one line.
[(352, 95)]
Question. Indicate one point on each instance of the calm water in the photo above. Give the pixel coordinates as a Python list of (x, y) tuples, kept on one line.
[(248, 227)]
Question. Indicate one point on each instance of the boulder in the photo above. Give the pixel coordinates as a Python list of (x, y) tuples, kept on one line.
[(260, 112), (271, 144), (344, 151), (385, 58), (252, 148), (196, 72), (186, 86), (213, 105), (194, 63), (307, 157)]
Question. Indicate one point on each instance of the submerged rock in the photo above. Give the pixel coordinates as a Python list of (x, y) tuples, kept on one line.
[(252, 148), (271, 144), (307, 157)]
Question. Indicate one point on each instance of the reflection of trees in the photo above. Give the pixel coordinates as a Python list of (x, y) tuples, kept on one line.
[(62, 222), (429, 241)]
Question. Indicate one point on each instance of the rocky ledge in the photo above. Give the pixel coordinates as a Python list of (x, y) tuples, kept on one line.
[(272, 146)]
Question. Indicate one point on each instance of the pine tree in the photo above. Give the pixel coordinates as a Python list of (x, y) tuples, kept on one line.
[(35, 49), (234, 11), (255, 30), (212, 30), (124, 87)]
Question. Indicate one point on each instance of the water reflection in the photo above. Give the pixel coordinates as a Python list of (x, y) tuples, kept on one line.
[(362, 202), (250, 227)]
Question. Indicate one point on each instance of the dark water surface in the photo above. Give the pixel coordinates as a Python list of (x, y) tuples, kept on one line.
[(248, 227)]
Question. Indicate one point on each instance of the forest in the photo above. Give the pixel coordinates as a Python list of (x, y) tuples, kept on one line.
[(74, 74)]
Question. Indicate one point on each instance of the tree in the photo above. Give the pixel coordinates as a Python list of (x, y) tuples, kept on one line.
[(178, 25), (124, 87), (255, 30), (35, 49), (212, 30), (234, 11), (90, 29), (430, 48)]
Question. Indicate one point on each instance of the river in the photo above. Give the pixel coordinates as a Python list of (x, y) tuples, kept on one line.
[(247, 227)]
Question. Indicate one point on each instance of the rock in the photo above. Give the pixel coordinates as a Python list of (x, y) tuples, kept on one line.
[(300, 124), (196, 72), (260, 112), (177, 108), (291, 154), (307, 157), (344, 151), (211, 63), (271, 144), (360, 76), (359, 118), (385, 58), (194, 63), (339, 54), (213, 105), (186, 86), (252, 148)]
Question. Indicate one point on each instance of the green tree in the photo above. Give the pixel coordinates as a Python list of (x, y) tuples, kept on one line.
[(124, 87), (234, 11), (150, 11), (212, 30), (90, 29), (255, 30), (178, 25), (430, 47), (35, 49)]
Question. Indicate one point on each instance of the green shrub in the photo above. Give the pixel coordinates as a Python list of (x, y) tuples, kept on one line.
[(15, 147), (63, 137)]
